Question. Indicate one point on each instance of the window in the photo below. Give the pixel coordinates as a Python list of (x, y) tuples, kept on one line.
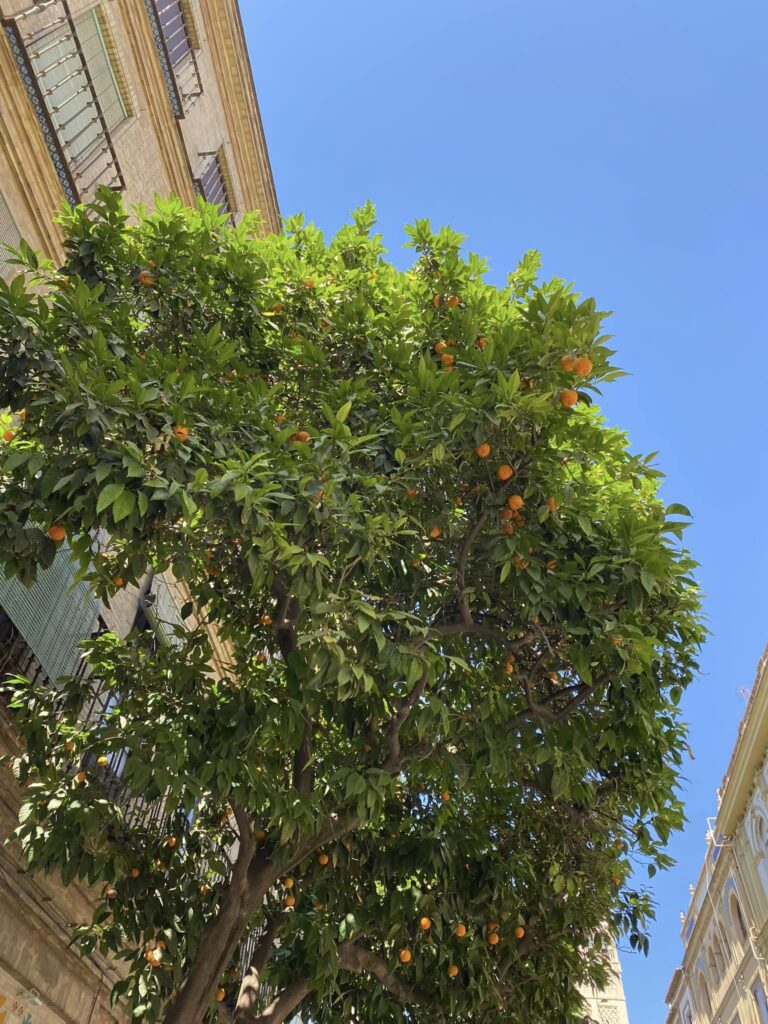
[(73, 86), (687, 1015), (176, 41), (758, 993), (212, 183), (706, 1002), (175, 34), (75, 106), (714, 972), (737, 918)]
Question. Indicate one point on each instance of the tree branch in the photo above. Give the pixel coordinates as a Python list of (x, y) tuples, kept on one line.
[(396, 722), (358, 960), (248, 996), (461, 568), (284, 1005)]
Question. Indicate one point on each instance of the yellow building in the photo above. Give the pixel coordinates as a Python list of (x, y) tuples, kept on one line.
[(145, 96), (723, 976)]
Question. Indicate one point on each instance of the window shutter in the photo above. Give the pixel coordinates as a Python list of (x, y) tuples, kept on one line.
[(52, 618), (9, 235)]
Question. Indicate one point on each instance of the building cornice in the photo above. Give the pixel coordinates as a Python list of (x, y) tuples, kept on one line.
[(226, 43), (748, 754)]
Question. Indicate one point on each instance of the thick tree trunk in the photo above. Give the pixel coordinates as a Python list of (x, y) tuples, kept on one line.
[(282, 1007), (220, 937), (248, 997)]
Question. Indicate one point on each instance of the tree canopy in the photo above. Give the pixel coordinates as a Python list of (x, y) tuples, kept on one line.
[(458, 619)]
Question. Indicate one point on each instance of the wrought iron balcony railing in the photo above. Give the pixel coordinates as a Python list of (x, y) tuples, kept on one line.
[(175, 44), (71, 84)]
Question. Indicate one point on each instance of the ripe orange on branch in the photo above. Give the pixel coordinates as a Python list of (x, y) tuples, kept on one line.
[(504, 472), (181, 433), (460, 931), (301, 436), (569, 398), (425, 924), (582, 367), (57, 532), (405, 956), (483, 450), (515, 502)]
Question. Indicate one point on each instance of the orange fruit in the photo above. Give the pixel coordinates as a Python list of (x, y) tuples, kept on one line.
[(110, 893), (323, 859), (260, 835), (405, 956), (57, 532), (460, 931), (22, 414), (567, 363), (616, 880), (9, 435), (146, 277), (482, 342), (288, 883), (69, 745), (452, 300), (415, 563), (616, 640), (134, 872), (266, 620), (515, 502), (509, 669), (552, 563), (493, 938), (440, 346), (118, 581), (102, 761), (453, 970), (280, 418), (458, 500), (435, 532), (569, 398), (582, 367), (277, 308), (492, 926), (319, 906), (221, 995), (551, 504), (80, 777), (504, 471), (411, 492), (170, 840), (160, 865), (519, 932), (445, 796), (425, 924), (507, 527), (309, 283), (437, 299), (290, 901), (204, 889), (181, 433), (483, 450), (302, 436), (447, 359)]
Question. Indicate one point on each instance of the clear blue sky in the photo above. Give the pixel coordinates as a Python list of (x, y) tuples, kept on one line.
[(628, 143)]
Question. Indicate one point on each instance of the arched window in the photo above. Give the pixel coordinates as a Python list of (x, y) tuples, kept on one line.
[(737, 918), (714, 973), (704, 993), (717, 949)]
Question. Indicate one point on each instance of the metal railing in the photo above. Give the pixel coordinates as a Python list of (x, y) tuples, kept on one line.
[(67, 94), (176, 53)]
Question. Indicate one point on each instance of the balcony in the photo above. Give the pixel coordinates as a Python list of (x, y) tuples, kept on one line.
[(71, 83), (176, 41)]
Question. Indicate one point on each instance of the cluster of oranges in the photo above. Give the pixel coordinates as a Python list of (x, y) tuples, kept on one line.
[(492, 935), (579, 366)]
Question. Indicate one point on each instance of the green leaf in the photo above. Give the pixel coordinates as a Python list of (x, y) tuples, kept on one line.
[(109, 495), (123, 505)]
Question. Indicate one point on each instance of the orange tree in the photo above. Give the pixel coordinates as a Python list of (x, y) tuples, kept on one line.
[(457, 615)]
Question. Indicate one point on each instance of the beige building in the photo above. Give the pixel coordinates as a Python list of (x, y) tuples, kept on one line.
[(723, 977), (145, 96), (609, 1006)]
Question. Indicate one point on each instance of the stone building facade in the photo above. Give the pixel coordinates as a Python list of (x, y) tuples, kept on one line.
[(723, 978), (148, 97), (609, 1006)]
